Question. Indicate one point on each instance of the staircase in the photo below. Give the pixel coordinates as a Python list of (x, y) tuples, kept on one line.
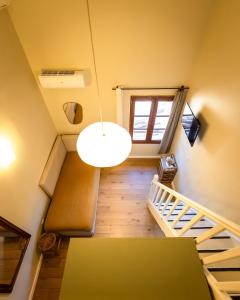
[(217, 239)]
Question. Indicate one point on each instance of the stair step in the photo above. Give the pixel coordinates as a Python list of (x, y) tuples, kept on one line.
[(210, 250), (196, 232), (187, 214), (202, 223), (180, 206), (185, 220), (220, 237), (232, 269), (187, 217), (226, 275), (236, 297), (216, 244), (217, 237), (232, 263), (175, 209), (197, 227), (170, 204)]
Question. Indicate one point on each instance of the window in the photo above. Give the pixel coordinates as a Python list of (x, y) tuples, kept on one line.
[(149, 117)]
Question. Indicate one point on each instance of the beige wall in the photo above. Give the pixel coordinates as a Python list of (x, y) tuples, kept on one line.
[(138, 43), (26, 123), (209, 172)]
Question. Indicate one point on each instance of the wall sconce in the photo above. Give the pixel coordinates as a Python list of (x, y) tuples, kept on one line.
[(7, 155)]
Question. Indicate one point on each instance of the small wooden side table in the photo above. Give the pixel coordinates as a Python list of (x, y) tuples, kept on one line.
[(49, 244), (166, 171)]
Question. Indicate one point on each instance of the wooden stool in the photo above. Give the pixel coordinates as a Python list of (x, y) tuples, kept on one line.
[(49, 244)]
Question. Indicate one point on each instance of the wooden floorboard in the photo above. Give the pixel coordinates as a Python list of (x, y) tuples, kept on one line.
[(50, 276), (121, 212)]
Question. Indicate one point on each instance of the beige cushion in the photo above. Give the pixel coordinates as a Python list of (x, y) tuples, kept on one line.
[(53, 167), (73, 206)]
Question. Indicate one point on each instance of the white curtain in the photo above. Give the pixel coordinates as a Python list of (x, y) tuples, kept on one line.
[(119, 106), (177, 107)]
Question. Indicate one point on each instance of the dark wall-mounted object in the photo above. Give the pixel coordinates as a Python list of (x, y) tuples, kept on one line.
[(13, 245), (191, 124), (73, 112)]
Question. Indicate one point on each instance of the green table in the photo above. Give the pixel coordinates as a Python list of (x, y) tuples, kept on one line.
[(133, 269)]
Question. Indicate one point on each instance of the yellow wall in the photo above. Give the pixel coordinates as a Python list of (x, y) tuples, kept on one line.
[(138, 43), (26, 123), (209, 172)]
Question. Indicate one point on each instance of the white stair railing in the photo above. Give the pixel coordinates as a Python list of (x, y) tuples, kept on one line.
[(170, 208)]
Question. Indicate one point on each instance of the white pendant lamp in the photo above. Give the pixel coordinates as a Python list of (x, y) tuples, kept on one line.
[(103, 144), (104, 150)]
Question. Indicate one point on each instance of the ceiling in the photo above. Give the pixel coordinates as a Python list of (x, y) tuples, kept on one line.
[(137, 43)]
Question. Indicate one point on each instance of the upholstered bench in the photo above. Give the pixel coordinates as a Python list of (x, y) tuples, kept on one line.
[(73, 188)]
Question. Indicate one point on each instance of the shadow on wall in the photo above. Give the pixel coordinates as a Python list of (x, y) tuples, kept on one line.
[(204, 125), (214, 130)]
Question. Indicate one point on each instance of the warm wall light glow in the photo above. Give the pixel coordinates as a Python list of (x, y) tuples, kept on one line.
[(7, 155), (104, 144)]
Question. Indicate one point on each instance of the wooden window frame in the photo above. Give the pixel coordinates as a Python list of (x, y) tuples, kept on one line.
[(152, 116)]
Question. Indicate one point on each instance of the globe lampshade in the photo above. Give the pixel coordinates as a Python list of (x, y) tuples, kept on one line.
[(104, 144)]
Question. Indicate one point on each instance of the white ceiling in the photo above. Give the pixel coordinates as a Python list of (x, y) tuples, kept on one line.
[(140, 43)]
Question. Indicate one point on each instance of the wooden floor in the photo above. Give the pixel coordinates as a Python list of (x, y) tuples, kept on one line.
[(122, 208), (121, 212)]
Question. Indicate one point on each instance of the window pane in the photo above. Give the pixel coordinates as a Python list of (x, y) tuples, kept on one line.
[(161, 122), (142, 108), (157, 135), (140, 122), (164, 107), (139, 135)]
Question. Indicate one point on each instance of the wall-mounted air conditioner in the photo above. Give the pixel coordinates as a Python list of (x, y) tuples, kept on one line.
[(66, 79), (4, 3)]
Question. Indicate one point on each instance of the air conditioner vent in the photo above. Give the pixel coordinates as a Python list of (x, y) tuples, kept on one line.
[(65, 79), (57, 72)]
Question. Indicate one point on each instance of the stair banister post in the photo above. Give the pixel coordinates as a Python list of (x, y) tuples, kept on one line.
[(190, 224), (180, 215), (209, 233), (169, 198), (222, 256), (161, 199), (176, 202)]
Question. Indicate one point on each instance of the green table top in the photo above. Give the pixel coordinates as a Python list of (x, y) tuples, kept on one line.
[(133, 269)]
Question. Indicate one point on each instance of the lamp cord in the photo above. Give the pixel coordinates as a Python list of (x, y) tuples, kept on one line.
[(94, 64)]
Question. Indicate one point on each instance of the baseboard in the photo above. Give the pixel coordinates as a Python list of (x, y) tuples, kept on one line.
[(144, 156), (35, 278)]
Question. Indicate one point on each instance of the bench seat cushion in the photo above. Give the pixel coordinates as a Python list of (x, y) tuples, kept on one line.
[(73, 206)]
